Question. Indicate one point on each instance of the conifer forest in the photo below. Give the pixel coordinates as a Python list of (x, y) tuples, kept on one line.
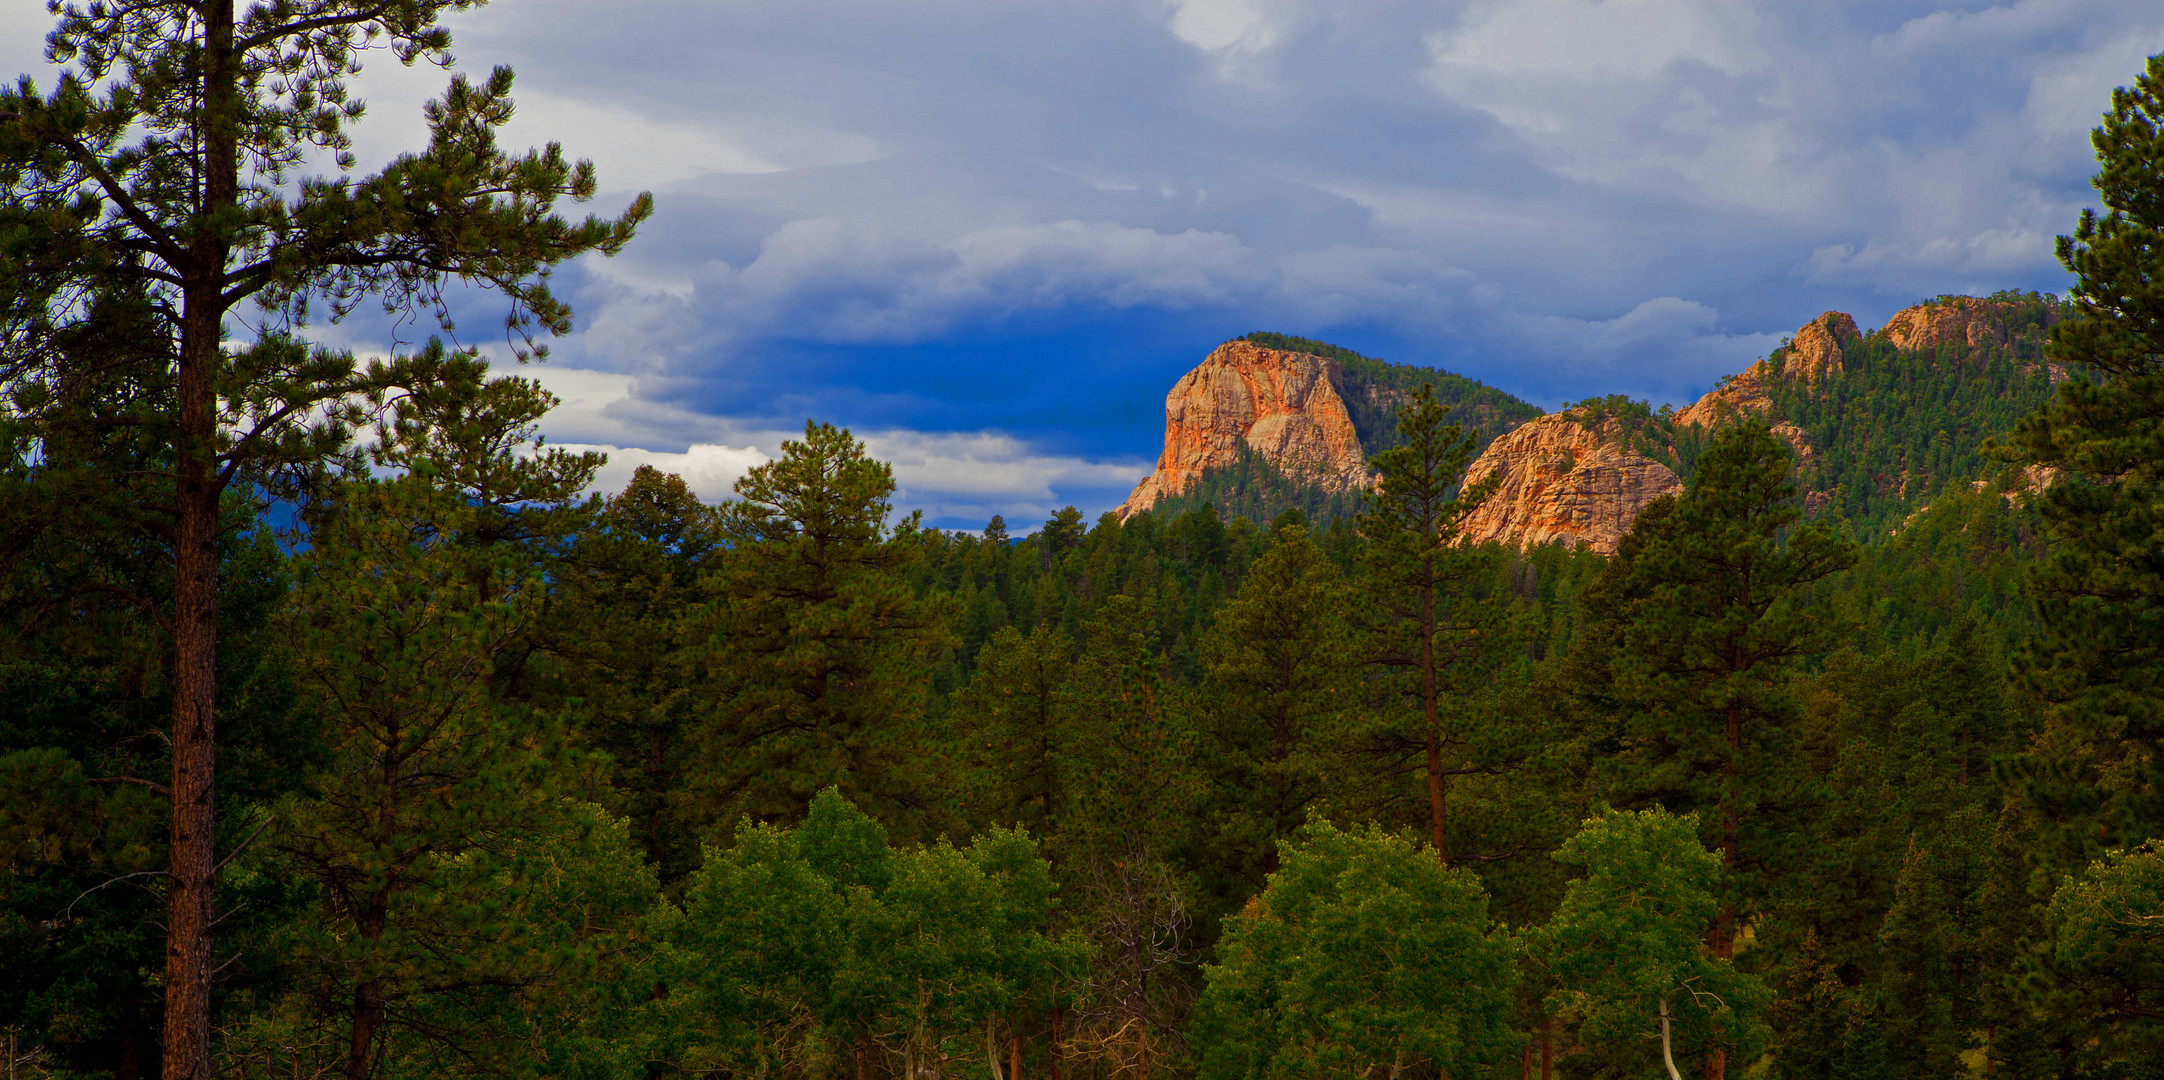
[(347, 730)]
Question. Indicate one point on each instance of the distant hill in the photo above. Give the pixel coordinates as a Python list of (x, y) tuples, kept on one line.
[(1269, 421), (1880, 421)]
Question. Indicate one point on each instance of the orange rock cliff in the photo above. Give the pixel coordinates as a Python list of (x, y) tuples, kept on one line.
[(1560, 480), (1572, 477), (1282, 405)]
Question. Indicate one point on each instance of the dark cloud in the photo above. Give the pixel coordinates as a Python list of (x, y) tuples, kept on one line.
[(1017, 223)]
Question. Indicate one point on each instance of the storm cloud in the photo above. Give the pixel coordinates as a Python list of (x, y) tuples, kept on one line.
[(990, 235)]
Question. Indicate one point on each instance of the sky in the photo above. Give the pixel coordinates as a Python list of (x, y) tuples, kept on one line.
[(988, 236)]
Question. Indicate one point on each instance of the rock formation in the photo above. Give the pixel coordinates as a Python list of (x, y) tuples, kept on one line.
[(1575, 477), (1283, 405), (1813, 355), (1560, 480), (1961, 320)]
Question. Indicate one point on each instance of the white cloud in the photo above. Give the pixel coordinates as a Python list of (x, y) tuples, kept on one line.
[(948, 474), (710, 471), (1954, 263), (1221, 24), (646, 153)]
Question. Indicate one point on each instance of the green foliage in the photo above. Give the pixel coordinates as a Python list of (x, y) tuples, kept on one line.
[(1706, 595), (626, 633), (2107, 936), (794, 788), (818, 641), (1274, 699), (1897, 426), (1363, 957), (1431, 621), (454, 882), (1627, 947), (1128, 762), (158, 180), (2099, 655), (797, 948)]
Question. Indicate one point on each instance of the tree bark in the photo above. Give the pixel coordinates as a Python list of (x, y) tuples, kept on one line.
[(367, 1010), (1438, 811), (189, 958), (360, 1060)]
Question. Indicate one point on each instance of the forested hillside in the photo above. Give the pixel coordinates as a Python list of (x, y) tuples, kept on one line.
[(1899, 425), (1886, 423), (343, 732)]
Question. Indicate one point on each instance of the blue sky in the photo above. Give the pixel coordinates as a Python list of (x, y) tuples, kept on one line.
[(988, 236)]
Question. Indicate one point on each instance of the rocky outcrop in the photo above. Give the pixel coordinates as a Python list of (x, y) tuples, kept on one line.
[(1813, 355), (1582, 476), (1818, 349), (1282, 405), (1958, 320), (1561, 480)]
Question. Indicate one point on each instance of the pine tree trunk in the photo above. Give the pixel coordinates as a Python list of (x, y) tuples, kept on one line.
[(367, 1015), (189, 958), (367, 1009), (1438, 811)]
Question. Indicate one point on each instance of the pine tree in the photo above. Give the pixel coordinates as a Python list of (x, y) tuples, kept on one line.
[(822, 653), (163, 164), (1014, 728), (1712, 622), (430, 778), (2099, 654), (1272, 703), (1429, 625), (632, 606)]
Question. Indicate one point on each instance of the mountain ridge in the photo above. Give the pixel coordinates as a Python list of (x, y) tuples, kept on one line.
[(1878, 421)]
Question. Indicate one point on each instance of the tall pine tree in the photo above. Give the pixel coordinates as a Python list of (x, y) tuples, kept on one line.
[(2099, 655), (823, 651), (1431, 621), (1712, 623), (164, 163)]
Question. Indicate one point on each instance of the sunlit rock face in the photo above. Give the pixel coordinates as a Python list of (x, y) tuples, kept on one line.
[(1561, 480), (1578, 477), (1963, 320), (1812, 356), (1282, 405)]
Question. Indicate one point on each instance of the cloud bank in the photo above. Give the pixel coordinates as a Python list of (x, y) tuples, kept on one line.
[(989, 235)]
